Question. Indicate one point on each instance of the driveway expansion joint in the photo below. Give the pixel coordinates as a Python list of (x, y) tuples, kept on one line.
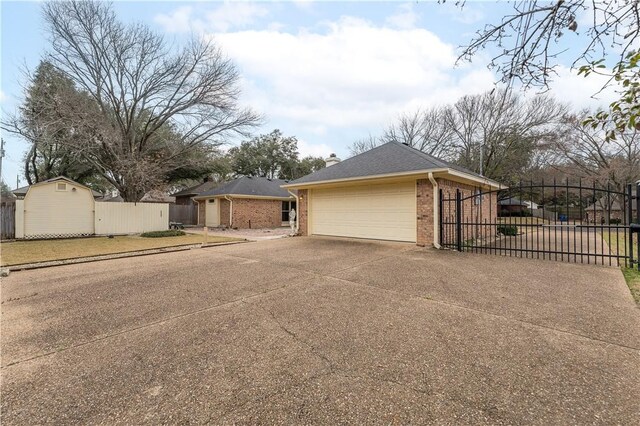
[(484, 312), (154, 323)]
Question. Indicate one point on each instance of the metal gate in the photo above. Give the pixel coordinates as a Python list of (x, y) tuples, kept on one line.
[(558, 221)]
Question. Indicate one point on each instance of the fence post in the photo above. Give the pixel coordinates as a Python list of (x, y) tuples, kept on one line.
[(637, 220), (458, 220), (440, 217), (629, 221)]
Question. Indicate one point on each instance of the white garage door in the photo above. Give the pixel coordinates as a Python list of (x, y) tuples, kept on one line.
[(383, 212)]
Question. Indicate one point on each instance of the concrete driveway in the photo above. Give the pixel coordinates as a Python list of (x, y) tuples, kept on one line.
[(314, 330)]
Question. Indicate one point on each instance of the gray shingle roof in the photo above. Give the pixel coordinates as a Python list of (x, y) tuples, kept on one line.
[(197, 189), (392, 157), (513, 201), (246, 185)]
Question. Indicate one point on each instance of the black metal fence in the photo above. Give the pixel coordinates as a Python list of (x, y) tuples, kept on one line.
[(558, 221)]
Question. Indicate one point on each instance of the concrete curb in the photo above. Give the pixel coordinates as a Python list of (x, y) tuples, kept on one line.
[(137, 253)]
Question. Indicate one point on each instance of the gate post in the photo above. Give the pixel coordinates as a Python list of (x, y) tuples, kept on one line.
[(458, 220), (629, 222), (441, 218), (637, 219)]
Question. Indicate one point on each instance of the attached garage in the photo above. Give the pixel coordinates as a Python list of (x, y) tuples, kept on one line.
[(382, 211), (390, 192)]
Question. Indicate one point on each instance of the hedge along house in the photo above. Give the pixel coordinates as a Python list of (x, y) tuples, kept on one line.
[(388, 193), (246, 202)]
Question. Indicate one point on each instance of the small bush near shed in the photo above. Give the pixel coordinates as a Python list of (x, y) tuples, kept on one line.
[(507, 230), (159, 234)]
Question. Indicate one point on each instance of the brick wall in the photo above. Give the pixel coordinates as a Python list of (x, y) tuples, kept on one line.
[(424, 210), (483, 211), (255, 213), (224, 212), (303, 209)]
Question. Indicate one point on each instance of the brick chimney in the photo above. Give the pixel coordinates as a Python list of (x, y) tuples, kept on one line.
[(332, 160)]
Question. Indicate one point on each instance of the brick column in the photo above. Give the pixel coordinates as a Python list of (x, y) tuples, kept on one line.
[(302, 213), (424, 210)]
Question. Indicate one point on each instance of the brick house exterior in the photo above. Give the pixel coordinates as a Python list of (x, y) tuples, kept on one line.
[(486, 209), (370, 196), (244, 203)]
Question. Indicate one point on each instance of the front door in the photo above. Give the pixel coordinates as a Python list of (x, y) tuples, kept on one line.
[(212, 212)]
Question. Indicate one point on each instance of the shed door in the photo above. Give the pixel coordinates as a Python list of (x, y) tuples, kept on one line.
[(212, 212), (383, 211)]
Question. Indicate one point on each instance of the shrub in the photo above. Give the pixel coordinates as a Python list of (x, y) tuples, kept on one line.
[(615, 221), (508, 230), (522, 213), (158, 234)]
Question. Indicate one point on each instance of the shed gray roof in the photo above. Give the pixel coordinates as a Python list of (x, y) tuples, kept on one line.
[(391, 157), (248, 185)]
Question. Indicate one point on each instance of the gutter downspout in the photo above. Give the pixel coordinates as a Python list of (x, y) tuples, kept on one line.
[(298, 211), (436, 212), (226, 197)]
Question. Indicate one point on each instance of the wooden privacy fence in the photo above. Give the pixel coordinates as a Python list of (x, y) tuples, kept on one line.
[(130, 218), (108, 219), (7, 221), (186, 214)]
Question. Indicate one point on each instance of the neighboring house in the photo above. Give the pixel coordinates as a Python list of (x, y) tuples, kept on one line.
[(511, 205), (152, 196), (246, 202), (185, 197), (597, 212), (388, 193)]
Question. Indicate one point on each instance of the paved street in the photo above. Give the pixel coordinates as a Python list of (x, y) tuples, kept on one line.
[(320, 330)]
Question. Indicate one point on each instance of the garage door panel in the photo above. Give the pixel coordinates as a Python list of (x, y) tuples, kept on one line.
[(386, 212)]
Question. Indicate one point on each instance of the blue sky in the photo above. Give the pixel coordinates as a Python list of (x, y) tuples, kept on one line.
[(327, 72)]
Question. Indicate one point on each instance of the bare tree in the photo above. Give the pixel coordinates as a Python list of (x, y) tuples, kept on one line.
[(143, 108), (586, 153), (529, 42), (528, 38), (425, 130), (364, 144), (498, 133)]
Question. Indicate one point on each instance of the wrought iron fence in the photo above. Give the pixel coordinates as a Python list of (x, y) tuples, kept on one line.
[(558, 221)]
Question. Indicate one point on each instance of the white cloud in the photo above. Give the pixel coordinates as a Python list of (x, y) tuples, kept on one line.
[(178, 21), (315, 150), (405, 18), (227, 16), (582, 92), (347, 74), (3, 97)]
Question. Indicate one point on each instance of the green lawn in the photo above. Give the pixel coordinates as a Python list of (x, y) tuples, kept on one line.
[(21, 252), (633, 281), (617, 245)]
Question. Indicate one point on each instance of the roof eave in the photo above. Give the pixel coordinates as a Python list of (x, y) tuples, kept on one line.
[(245, 196), (453, 172)]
